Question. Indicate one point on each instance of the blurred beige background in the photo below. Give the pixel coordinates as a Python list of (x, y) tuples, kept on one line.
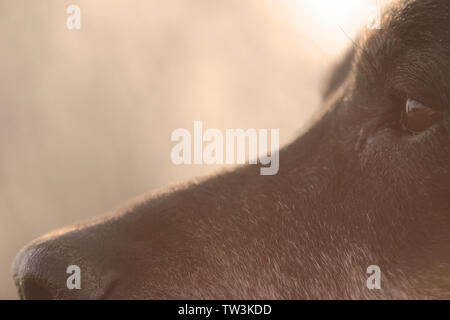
[(86, 115)]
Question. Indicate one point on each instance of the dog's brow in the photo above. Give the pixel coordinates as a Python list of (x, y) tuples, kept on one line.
[(412, 51), (423, 75)]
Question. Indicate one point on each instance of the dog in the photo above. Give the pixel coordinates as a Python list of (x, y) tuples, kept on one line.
[(366, 185)]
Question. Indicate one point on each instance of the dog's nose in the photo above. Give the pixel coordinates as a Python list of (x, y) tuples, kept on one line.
[(62, 267)]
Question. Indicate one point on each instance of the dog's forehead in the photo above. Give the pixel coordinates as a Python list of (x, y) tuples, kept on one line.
[(413, 46), (411, 24), (415, 21)]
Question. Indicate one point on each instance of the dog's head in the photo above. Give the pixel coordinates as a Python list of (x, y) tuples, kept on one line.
[(367, 184)]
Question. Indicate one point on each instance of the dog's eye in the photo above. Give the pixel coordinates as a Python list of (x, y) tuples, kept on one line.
[(417, 117)]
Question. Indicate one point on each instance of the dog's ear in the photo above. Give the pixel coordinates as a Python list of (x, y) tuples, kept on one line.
[(339, 73)]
